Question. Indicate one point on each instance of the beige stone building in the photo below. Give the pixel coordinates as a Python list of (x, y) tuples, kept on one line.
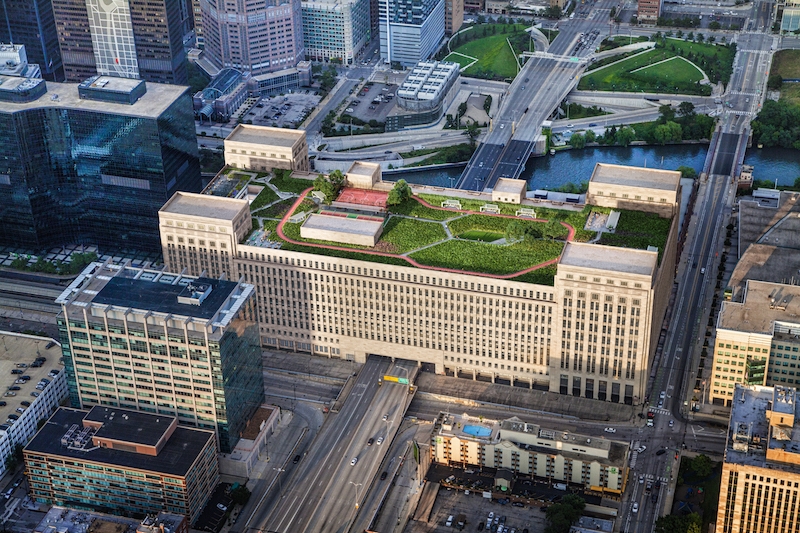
[(592, 334), (636, 188), (263, 148), (596, 464), (453, 16), (509, 190), (761, 472)]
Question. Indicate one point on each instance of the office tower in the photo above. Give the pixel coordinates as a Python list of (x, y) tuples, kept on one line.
[(467, 323), (180, 346), (14, 62), (600, 465), (31, 23), (137, 39), (197, 15), (454, 16), (122, 461), (92, 163), (413, 30), (761, 469), (254, 37), (334, 30)]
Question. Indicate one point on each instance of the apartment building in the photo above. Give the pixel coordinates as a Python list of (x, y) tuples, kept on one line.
[(335, 30), (462, 322), (648, 11), (65, 520), (761, 470), (454, 16), (116, 460), (161, 343), (410, 30), (263, 148), (598, 465)]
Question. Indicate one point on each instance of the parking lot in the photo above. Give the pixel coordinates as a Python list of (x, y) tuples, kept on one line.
[(373, 102), (476, 508), (288, 110)]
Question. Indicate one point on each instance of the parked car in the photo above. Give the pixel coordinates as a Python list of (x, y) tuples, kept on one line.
[(610, 430), (221, 507), (662, 451), (16, 371)]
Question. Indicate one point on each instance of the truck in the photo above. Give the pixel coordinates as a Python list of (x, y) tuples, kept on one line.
[(560, 486)]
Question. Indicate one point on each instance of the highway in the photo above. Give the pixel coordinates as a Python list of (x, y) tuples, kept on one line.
[(322, 491)]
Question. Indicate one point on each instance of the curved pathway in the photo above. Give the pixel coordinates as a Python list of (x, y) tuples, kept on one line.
[(411, 261)]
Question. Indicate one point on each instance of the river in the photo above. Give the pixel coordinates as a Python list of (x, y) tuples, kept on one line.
[(574, 166)]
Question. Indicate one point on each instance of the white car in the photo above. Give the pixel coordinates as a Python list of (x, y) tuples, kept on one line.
[(641, 479), (491, 515), (671, 423), (222, 507), (641, 449), (385, 418), (610, 430), (354, 461), (635, 508), (449, 522), (380, 441)]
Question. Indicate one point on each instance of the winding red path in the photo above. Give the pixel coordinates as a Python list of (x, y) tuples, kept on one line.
[(302, 196)]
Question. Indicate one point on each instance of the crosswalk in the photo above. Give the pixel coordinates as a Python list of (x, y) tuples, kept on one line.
[(659, 410)]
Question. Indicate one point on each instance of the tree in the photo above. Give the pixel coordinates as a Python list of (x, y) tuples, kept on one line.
[(714, 25), (700, 38), (667, 113), (590, 136), (561, 516), (625, 136), (701, 466), (472, 132), (679, 34), (774, 82), (240, 495), (690, 36), (687, 172), (679, 524), (686, 109), (577, 141), (669, 132), (399, 193), (330, 185)]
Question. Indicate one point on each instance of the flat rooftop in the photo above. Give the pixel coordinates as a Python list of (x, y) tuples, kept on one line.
[(114, 83), (355, 226), (638, 177), (204, 205), (175, 458), (129, 426), (153, 103), (15, 351), (764, 304), (595, 256), (264, 135), (511, 186), (63, 520), (362, 168)]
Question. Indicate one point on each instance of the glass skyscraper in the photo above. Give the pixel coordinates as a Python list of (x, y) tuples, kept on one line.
[(163, 343), (92, 163), (31, 22)]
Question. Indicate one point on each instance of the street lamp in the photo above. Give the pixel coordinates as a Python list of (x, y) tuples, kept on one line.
[(355, 486)]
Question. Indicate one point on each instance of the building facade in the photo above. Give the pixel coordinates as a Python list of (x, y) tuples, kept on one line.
[(462, 323), (334, 30), (761, 470), (263, 148), (92, 163), (599, 465), (254, 37), (454, 16), (648, 11), (137, 39), (66, 520), (412, 30), (31, 23), (184, 347), (119, 461)]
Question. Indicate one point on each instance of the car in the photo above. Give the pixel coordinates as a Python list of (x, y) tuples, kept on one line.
[(648, 487), (385, 418), (641, 448), (503, 518), (26, 404), (702, 271), (16, 371), (671, 423), (662, 451), (449, 522), (17, 482), (463, 82), (380, 441), (610, 430), (3, 404), (593, 124), (481, 526), (19, 381), (384, 475), (20, 409), (221, 507), (501, 127), (296, 459), (9, 393), (34, 394), (641, 479), (370, 442), (649, 422), (13, 417), (651, 414), (27, 378), (14, 388), (259, 105), (491, 515), (635, 507), (663, 394), (526, 79), (354, 461), (570, 125), (654, 497), (22, 365), (518, 504)]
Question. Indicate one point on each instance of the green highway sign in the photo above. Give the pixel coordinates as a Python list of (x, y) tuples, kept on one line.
[(403, 381)]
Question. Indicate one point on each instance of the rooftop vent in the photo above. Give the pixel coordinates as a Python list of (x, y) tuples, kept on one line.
[(194, 293)]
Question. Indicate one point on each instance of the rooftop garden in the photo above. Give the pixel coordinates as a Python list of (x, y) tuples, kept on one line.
[(639, 230)]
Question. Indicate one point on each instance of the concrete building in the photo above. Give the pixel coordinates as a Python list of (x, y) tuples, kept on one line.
[(454, 16), (30, 23), (431, 314), (253, 37), (648, 11), (117, 460), (411, 31), (335, 30), (761, 470), (510, 191), (264, 148), (181, 346), (598, 465), (281, 81), (14, 62), (497, 7), (422, 98), (63, 520), (140, 39), (22, 410), (91, 163)]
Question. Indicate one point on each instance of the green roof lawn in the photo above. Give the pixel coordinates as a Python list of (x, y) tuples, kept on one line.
[(639, 230), (489, 258)]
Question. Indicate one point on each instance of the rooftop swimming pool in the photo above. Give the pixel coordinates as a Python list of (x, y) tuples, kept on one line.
[(477, 431)]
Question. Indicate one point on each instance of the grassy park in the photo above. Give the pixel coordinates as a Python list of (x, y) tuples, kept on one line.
[(786, 63), (484, 50)]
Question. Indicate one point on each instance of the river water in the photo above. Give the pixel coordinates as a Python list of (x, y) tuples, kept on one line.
[(574, 166)]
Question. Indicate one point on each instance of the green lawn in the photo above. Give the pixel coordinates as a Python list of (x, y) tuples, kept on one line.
[(480, 223), (791, 93), (478, 235), (413, 208), (266, 196), (540, 276), (495, 58), (677, 69), (289, 184), (458, 58), (786, 63), (403, 235), (639, 230), (276, 210), (676, 76), (488, 258)]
